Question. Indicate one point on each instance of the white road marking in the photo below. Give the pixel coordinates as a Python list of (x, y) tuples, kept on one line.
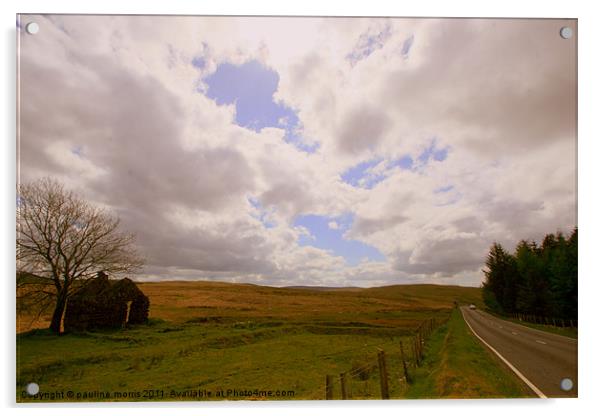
[(518, 373), (541, 342)]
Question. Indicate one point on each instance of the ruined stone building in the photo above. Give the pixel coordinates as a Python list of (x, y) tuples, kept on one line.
[(103, 303)]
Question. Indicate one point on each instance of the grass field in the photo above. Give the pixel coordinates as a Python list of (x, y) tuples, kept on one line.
[(457, 365), (211, 338)]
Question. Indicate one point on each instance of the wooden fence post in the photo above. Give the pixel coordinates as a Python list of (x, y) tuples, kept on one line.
[(403, 362), (384, 377), (343, 379), (415, 350), (329, 387)]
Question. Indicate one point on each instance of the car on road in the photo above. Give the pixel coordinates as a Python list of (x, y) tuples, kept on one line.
[(471, 306)]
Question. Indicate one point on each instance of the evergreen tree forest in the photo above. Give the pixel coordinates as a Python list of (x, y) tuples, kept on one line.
[(536, 279)]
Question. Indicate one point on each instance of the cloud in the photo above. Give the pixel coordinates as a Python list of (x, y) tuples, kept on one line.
[(366, 226), (443, 136), (362, 128), (444, 257)]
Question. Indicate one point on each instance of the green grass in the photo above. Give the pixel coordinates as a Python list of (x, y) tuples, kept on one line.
[(457, 365), (211, 357), (215, 337), (567, 332)]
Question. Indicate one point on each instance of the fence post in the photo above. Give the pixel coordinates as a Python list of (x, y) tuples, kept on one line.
[(329, 387), (415, 350), (343, 379), (384, 377), (403, 362)]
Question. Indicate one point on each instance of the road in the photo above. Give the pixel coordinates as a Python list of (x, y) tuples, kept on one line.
[(540, 359)]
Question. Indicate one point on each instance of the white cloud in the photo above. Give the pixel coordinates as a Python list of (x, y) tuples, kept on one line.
[(178, 170)]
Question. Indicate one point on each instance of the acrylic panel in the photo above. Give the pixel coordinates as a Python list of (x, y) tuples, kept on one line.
[(295, 208)]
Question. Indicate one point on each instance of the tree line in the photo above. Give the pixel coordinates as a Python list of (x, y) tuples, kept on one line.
[(536, 279)]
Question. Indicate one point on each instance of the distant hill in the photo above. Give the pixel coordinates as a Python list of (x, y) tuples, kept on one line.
[(322, 288), (180, 301)]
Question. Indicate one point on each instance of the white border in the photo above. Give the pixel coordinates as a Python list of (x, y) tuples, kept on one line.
[(590, 151)]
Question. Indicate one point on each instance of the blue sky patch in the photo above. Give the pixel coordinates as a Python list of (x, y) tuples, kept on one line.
[(361, 177), (407, 45), (325, 237), (404, 162), (78, 150), (251, 87), (433, 152), (367, 43), (444, 189), (199, 62), (262, 214)]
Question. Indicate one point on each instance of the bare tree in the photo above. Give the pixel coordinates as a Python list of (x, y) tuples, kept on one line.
[(62, 239)]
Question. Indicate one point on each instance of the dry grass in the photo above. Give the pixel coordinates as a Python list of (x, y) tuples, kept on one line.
[(178, 301), (181, 302)]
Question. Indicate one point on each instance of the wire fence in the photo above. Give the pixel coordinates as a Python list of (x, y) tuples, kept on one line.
[(387, 372), (543, 320)]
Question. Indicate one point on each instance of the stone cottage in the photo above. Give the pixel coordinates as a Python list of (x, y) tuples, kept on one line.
[(103, 303)]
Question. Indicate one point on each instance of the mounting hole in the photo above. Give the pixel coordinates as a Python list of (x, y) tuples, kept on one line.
[(32, 389), (566, 384), (566, 32), (32, 28)]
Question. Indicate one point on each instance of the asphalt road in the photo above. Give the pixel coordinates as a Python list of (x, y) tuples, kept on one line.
[(540, 359)]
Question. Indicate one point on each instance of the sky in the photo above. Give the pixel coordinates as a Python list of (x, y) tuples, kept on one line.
[(307, 151)]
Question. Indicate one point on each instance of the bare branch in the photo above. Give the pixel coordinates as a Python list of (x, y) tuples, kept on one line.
[(61, 239)]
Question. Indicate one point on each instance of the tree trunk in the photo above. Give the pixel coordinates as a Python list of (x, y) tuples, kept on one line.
[(57, 315)]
